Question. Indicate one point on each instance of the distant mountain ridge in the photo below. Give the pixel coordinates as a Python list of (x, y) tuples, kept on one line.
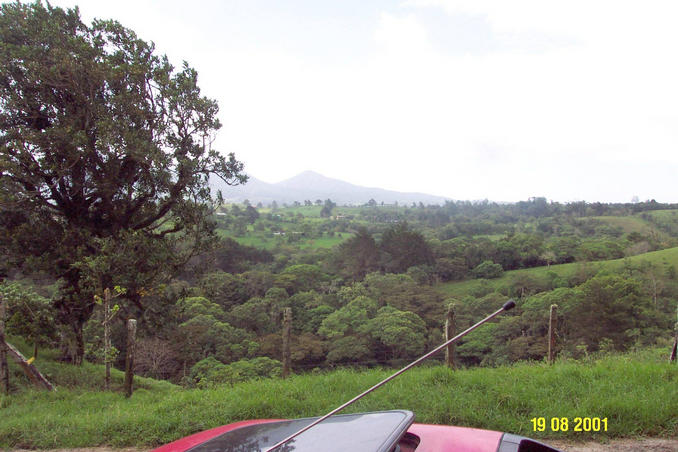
[(310, 185)]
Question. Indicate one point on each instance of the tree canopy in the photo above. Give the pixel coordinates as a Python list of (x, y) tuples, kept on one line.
[(403, 248), (105, 154), (358, 255)]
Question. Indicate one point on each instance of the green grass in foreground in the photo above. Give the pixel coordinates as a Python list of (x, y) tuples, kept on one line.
[(636, 392)]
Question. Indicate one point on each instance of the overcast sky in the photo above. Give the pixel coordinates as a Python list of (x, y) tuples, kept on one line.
[(470, 99)]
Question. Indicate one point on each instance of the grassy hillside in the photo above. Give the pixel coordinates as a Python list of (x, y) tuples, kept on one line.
[(636, 392), (269, 243), (628, 224), (541, 274), (666, 220)]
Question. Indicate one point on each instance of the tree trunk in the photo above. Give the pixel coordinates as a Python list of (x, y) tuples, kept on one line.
[(73, 347)]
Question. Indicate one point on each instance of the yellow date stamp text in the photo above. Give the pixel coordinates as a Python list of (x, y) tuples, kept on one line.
[(564, 424)]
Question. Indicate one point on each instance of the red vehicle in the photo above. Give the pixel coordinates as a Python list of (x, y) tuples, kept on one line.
[(381, 431)]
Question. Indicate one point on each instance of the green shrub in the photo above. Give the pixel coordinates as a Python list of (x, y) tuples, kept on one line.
[(209, 372), (487, 269)]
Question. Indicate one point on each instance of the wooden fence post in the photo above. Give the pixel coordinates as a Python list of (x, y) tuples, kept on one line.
[(129, 360), (4, 367), (450, 331), (286, 329), (674, 349), (107, 338), (552, 333)]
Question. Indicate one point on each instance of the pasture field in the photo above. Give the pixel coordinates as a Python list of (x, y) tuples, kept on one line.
[(306, 211), (325, 241), (314, 211), (628, 224), (667, 214), (270, 243), (493, 237), (259, 240), (542, 275), (666, 220), (635, 392), (356, 210)]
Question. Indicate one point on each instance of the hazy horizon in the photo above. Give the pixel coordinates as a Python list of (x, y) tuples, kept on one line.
[(451, 198)]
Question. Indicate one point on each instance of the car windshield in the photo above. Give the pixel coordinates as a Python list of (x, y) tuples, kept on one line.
[(364, 432)]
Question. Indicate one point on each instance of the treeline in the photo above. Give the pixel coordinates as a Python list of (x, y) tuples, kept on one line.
[(537, 207)]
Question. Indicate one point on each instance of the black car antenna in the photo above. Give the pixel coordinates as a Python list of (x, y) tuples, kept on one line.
[(507, 306)]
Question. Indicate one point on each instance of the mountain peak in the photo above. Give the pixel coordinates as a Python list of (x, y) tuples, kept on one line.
[(310, 185), (309, 173), (306, 175), (311, 179)]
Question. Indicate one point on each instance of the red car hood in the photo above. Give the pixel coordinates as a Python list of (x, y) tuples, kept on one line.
[(433, 438)]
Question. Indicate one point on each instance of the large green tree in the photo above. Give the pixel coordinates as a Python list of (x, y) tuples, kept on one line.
[(402, 248), (402, 333), (358, 255), (105, 154)]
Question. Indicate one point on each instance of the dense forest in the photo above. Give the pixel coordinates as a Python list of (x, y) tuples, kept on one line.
[(105, 160), (370, 285)]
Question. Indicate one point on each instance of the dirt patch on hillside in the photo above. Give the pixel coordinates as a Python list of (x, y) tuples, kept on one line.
[(617, 445)]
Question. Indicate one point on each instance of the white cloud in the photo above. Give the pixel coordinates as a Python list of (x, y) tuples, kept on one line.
[(589, 116), (609, 97)]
